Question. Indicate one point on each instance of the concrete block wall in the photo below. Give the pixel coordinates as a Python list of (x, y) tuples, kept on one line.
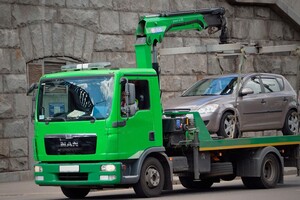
[(103, 30)]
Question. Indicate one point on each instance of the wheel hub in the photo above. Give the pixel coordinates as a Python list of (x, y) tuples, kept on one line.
[(293, 123), (229, 125), (152, 177)]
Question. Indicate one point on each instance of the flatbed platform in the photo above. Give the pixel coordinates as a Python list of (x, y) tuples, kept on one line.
[(253, 142)]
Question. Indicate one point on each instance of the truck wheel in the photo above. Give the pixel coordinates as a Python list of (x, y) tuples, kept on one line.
[(270, 174), (75, 193), (226, 126), (189, 183), (290, 126), (151, 179), (228, 177)]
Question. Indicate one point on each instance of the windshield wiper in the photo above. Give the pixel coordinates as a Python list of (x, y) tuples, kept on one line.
[(52, 119), (90, 117)]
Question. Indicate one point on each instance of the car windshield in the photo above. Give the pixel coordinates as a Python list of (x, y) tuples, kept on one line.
[(80, 98), (212, 86)]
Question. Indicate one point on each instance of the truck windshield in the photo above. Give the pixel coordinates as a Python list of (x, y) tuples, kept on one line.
[(80, 98)]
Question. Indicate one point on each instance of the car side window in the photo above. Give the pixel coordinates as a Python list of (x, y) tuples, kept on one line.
[(271, 84), (254, 84)]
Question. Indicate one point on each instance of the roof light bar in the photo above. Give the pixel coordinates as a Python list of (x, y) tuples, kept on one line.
[(85, 66)]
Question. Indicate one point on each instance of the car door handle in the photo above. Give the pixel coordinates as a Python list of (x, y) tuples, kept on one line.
[(285, 99), (263, 101)]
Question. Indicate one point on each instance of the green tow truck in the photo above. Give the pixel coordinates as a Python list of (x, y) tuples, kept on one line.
[(102, 127)]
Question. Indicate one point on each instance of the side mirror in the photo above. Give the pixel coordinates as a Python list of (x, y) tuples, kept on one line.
[(131, 91), (32, 87), (246, 91), (130, 99)]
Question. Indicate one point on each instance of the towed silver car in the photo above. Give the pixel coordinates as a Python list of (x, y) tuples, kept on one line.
[(228, 107)]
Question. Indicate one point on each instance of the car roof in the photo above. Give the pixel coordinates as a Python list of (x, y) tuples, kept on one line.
[(242, 75)]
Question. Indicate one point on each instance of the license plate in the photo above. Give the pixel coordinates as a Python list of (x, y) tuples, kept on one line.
[(69, 168)]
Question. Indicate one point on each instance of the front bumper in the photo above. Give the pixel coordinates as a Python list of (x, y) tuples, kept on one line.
[(212, 121), (77, 174)]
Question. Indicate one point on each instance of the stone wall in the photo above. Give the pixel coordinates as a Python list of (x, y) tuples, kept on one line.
[(103, 30)]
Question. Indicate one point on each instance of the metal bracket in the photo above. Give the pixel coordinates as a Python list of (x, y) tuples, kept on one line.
[(229, 49)]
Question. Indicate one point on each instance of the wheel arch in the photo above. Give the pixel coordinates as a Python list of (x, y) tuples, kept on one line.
[(251, 165), (159, 154), (167, 166), (232, 111)]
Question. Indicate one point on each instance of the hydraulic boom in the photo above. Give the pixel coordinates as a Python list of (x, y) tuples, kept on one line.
[(152, 29)]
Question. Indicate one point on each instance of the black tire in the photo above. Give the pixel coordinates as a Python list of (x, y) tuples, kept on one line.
[(152, 179), (270, 174), (189, 183), (291, 123), (228, 177), (226, 126), (75, 193)]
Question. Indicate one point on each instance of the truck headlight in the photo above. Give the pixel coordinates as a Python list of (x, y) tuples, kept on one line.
[(208, 109), (38, 169), (108, 168)]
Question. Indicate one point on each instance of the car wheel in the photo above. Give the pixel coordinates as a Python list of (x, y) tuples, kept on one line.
[(291, 123), (228, 126)]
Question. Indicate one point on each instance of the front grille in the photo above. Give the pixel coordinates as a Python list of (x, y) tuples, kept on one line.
[(70, 144), (73, 176)]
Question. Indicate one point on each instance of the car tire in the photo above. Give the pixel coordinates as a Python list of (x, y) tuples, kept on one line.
[(291, 124), (226, 126)]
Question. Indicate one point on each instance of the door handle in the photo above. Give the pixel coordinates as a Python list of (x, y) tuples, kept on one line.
[(263, 101), (151, 136), (285, 99)]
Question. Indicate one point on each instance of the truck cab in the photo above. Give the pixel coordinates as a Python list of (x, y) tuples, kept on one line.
[(79, 116)]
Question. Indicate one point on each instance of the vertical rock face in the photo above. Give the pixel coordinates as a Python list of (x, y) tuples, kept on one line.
[(32, 32)]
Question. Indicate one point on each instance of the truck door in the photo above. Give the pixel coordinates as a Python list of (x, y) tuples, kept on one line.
[(135, 135)]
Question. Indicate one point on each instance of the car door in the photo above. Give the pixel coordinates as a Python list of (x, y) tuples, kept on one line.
[(252, 107), (277, 100)]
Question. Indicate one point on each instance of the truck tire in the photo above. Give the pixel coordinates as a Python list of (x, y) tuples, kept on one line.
[(226, 126), (270, 174), (75, 193), (291, 124), (151, 179), (189, 183)]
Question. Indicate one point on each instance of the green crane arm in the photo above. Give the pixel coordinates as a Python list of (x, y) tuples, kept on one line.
[(152, 29)]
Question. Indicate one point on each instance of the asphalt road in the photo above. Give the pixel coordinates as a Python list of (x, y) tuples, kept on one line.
[(223, 191)]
